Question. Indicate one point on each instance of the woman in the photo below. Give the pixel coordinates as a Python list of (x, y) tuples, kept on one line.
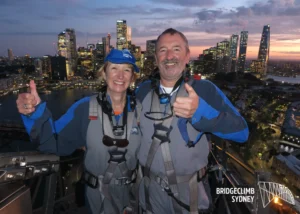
[(104, 124)]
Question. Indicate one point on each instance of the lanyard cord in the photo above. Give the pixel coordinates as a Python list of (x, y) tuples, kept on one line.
[(124, 122)]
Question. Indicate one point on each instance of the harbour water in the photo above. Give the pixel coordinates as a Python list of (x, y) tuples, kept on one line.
[(292, 80), (58, 101)]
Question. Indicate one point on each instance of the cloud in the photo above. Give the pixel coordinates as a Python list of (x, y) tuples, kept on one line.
[(277, 13), (143, 11), (291, 11), (54, 34), (22, 33), (10, 21), (188, 3), (208, 15), (287, 52), (49, 17), (287, 39)]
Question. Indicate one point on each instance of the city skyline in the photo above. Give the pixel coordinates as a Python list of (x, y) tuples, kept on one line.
[(33, 30)]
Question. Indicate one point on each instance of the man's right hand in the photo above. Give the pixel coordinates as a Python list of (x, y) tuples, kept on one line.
[(26, 102)]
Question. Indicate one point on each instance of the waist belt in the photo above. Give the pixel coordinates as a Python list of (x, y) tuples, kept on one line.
[(93, 181)]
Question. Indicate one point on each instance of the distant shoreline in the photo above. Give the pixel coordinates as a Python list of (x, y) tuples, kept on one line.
[(292, 80)]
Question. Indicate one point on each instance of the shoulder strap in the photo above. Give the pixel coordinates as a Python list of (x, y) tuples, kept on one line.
[(93, 108), (138, 110)]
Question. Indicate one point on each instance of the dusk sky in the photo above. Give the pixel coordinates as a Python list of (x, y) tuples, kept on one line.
[(31, 26)]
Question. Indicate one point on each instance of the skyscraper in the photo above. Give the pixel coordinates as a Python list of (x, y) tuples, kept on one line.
[(223, 58), (123, 35), (223, 49), (46, 66), (58, 68), (73, 49), (10, 54), (150, 48), (243, 51), (234, 39), (38, 67), (106, 44), (67, 48), (264, 48)]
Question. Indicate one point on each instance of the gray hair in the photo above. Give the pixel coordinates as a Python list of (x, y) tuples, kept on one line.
[(172, 31)]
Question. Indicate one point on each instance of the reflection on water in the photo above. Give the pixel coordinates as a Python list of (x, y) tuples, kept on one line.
[(292, 80), (58, 102)]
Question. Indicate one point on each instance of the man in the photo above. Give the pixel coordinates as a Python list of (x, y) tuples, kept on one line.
[(179, 113)]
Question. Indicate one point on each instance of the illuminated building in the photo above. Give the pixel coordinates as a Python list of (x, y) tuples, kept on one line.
[(222, 57), (150, 48), (106, 44), (46, 66), (67, 48), (243, 51), (233, 51), (257, 66), (90, 46), (85, 60), (38, 67), (123, 35), (264, 48)]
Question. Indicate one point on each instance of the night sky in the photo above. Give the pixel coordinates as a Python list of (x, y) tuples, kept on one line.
[(31, 26)]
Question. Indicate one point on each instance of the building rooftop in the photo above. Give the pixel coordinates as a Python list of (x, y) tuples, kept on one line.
[(291, 160)]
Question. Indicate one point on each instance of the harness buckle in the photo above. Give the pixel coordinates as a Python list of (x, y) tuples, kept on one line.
[(162, 133), (190, 144), (123, 180), (117, 156)]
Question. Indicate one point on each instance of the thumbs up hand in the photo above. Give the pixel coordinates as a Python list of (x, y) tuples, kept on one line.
[(26, 102), (186, 106)]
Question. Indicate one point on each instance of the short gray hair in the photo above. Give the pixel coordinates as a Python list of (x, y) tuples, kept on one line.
[(173, 31)]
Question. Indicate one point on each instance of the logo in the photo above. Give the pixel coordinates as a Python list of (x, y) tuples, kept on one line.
[(270, 191), (238, 194), (134, 131), (126, 53)]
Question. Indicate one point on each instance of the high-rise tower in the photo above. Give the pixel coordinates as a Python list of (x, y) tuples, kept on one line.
[(264, 48), (123, 35), (106, 44), (234, 39), (243, 51), (67, 48), (10, 55)]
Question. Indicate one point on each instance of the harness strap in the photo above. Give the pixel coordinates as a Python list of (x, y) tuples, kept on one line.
[(104, 188), (193, 184), (161, 138), (93, 108)]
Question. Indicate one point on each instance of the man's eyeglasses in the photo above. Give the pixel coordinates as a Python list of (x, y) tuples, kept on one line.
[(108, 141)]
